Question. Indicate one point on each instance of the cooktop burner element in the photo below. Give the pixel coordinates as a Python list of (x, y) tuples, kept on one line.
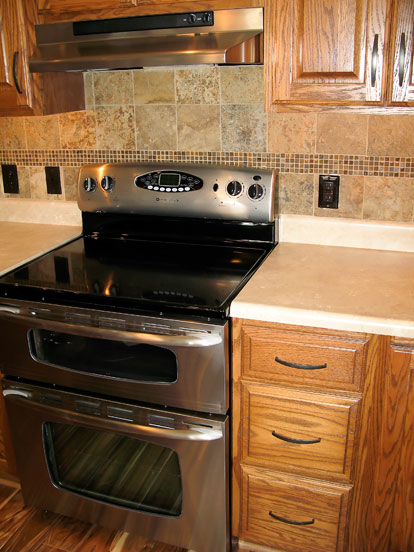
[(181, 239)]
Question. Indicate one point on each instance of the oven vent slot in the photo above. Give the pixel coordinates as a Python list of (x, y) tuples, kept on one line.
[(88, 407), (161, 421), (105, 322), (124, 414), (78, 318), (51, 399)]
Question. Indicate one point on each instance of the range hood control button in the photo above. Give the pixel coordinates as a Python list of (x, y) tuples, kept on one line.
[(89, 184), (234, 188), (107, 183), (192, 18)]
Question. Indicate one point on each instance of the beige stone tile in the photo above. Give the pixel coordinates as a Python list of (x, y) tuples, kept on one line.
[(390, 199), (113, 88), (156, 127), (154, 87), (12, 133), (42, 132), (89, 90), (244, 128), (391, 135), (198, 127), (197, 85), (241, 85), (78, 130), (70, 182), (341, 133), (291, 133), (351, 194), (37, 179), (115, 127), (296, 194)]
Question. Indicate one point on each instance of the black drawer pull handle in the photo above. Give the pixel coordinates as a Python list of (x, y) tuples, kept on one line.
[(16, 82), (374, 62), (296, 441), (300, 366), (290, 521)]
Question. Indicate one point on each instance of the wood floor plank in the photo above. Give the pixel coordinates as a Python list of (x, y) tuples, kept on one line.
[(99, 539), (30, 531), (66, 533)]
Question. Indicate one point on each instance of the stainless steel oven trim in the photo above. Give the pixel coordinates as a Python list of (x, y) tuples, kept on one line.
[(205, 482), (202, 353), (179, 340)]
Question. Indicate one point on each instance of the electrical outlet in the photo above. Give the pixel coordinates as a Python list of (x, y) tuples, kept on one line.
[(328, 191), (10, 179), (53, 185)]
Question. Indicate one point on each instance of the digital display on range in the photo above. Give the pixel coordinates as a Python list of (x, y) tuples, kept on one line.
[(171, 180)]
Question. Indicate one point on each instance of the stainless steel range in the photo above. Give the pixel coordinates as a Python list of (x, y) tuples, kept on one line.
[(116, 349)]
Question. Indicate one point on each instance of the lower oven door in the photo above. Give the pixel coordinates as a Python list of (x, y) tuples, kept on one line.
[(178, 363), (159, 474)]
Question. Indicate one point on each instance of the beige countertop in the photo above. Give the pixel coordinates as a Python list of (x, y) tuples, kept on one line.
[(343, 288), (21, 241)]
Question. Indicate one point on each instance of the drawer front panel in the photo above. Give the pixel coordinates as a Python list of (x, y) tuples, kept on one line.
[(321, 512), (302, 359), (298, 431)]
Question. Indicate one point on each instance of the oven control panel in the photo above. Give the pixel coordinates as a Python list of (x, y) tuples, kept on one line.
[(168, 181), (198, 191)]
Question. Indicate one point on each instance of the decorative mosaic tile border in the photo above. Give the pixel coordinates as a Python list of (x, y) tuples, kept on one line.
[(283, 162)]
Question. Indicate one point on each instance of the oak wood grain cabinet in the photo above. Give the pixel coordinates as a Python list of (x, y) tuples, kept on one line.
[(23, 93), (60, 10), (323, 439), (20, 94), (351, 54)]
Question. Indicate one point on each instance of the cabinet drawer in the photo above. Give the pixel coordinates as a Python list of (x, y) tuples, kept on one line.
[(300, 431), (325, 362), (318, 512)]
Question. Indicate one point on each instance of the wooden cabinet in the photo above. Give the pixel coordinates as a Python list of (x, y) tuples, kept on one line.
[(19, 92), (341, 53), (57, 10), (23, 93), (296, 401), (401, 72), (323, 459)]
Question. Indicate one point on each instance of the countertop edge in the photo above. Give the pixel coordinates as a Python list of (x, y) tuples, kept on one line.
[(323, 320)]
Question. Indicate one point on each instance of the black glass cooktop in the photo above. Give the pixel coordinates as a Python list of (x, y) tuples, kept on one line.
[(137, 275)]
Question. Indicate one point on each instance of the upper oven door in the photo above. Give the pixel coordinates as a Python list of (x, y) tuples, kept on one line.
[(180, 364)]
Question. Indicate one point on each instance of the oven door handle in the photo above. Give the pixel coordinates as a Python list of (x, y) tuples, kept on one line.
[(162, 340), (200, 433)]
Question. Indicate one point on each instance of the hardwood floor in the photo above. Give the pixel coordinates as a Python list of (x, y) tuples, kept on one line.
[(24, 529)]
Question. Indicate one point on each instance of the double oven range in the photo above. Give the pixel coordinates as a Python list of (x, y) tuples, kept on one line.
[(116, 349)]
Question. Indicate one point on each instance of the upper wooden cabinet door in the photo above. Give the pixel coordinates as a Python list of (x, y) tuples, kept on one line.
[(326, 51), (401, 71), (16, 85), (67, 6)]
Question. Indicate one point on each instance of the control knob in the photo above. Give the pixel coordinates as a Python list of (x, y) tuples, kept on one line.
[(192, 18), (107, 183), (234, 188), (255, 191), (89, 184)]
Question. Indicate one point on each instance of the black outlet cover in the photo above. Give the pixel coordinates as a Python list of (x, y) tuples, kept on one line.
[(10, 179), (328, 191), (53, 184)]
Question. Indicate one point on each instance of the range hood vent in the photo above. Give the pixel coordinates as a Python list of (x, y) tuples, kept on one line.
[(232, 36)]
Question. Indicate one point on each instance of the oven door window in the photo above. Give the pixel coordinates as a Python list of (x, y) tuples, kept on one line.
[(105, 357), (114, 468)]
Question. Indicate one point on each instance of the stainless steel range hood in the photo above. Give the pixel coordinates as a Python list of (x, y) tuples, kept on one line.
[(224, 36)]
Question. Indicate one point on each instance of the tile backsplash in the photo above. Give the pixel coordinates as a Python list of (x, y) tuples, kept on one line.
[(209, 114)]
